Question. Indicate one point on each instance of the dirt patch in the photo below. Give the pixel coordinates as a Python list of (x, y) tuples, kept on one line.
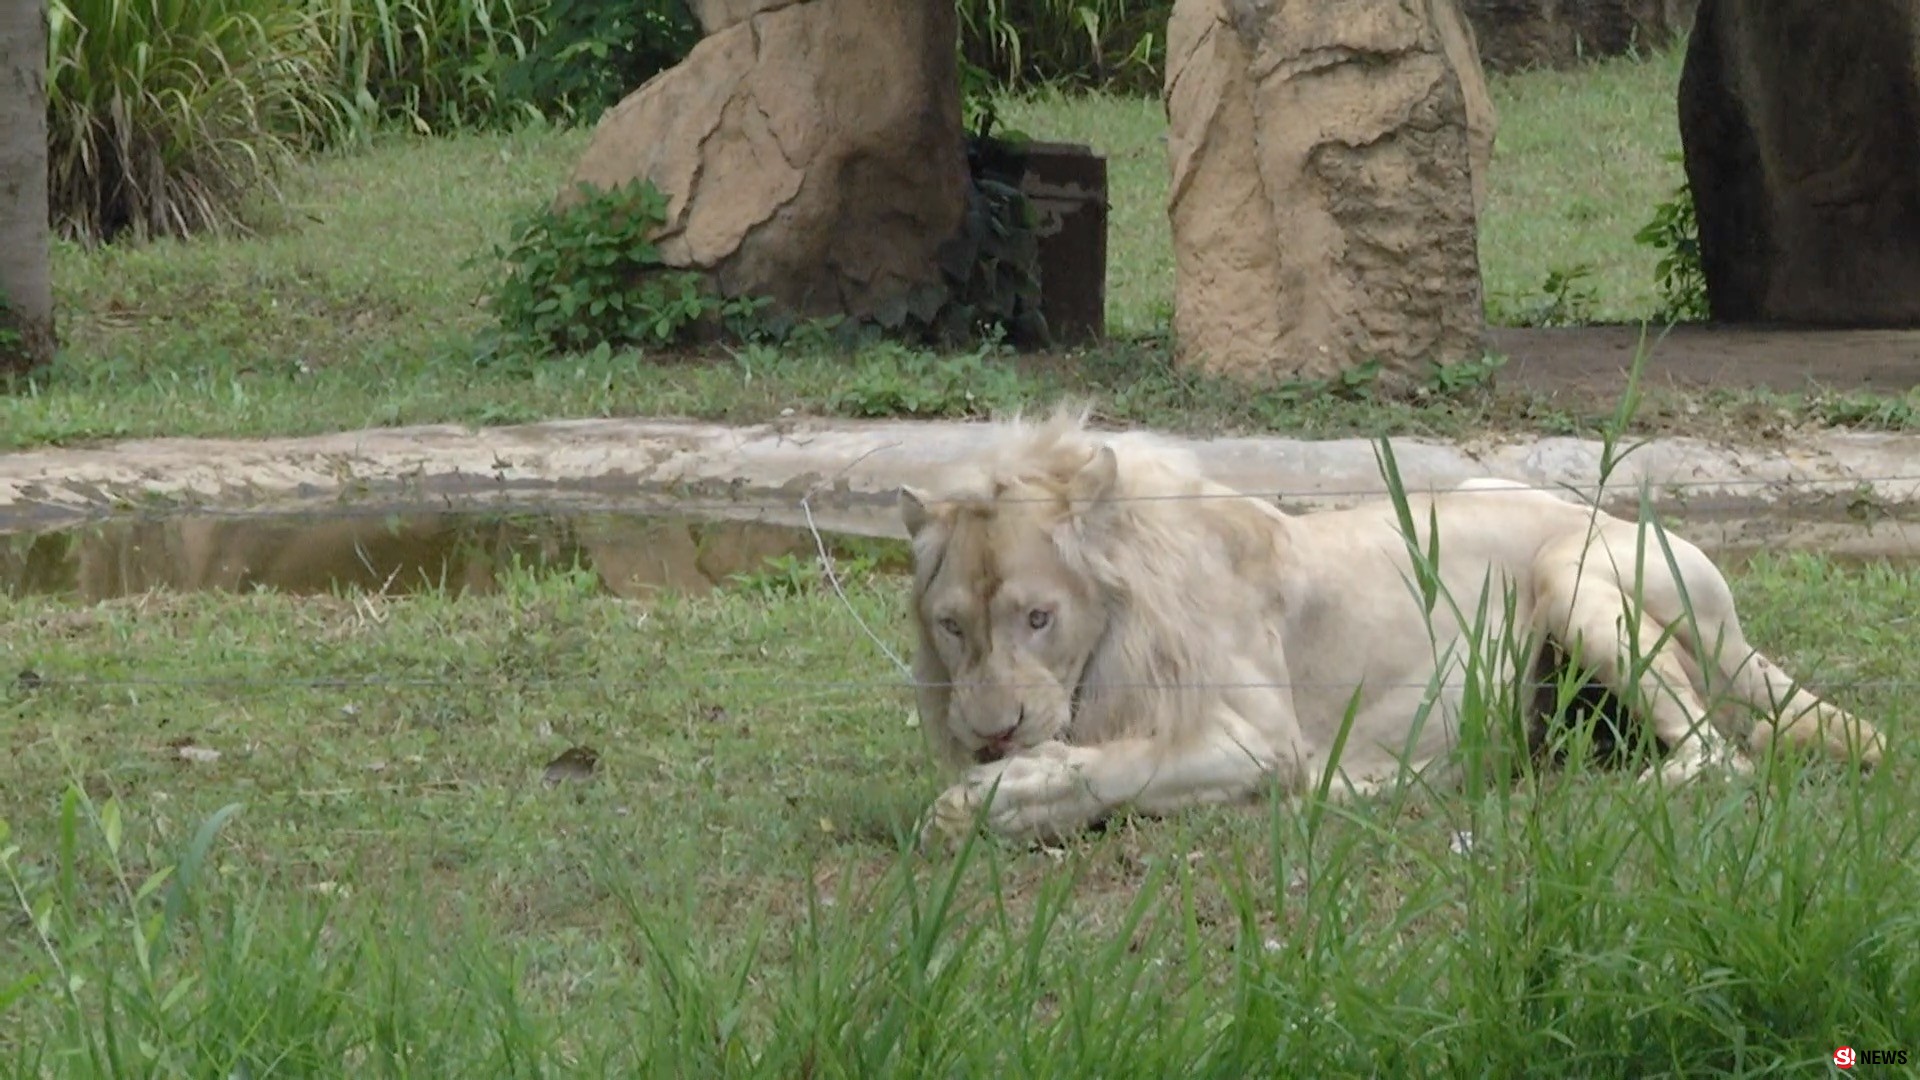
[(1584, 363)]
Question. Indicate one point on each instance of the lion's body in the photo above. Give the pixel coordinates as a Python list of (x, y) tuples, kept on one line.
[(1102, 626)]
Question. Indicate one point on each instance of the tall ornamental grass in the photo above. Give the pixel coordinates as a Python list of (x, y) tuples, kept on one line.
[(431, 65), (164, 114), (1117, 45)]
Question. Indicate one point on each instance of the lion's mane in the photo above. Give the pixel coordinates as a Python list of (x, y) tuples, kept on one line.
[(1184, 566)]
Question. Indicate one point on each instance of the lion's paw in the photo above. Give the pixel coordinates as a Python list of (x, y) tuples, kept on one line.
[(951, 817), (1035, 792), (1683, 768)]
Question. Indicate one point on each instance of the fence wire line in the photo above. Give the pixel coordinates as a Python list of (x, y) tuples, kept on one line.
[(833, 576), (666, 504), (720, 681)]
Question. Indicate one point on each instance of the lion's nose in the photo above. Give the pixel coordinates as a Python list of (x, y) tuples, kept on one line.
[(1005, 735)]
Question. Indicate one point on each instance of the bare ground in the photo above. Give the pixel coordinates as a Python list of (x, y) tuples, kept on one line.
[(1586, 362)]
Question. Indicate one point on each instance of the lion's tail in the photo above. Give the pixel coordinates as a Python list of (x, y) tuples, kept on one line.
[(1794, 715)]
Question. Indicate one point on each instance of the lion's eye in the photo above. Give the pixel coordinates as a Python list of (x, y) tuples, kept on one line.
[(951, 626), (1038, 618)]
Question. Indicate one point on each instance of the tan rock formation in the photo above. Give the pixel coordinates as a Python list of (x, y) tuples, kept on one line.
[(1328, 162), (811, 151)]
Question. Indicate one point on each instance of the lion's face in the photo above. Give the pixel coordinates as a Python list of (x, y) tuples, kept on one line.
[(1010, 622)]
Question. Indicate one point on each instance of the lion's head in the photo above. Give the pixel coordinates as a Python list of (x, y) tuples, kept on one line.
[(1070, 586), (1005, 621)]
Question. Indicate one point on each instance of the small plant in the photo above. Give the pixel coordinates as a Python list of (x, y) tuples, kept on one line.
[(1356, 383), (587, 275), (1361, 382), (893, 381), (1563, 301), (1675, 232), (790, 575), (1450, 380), (1875, 412)]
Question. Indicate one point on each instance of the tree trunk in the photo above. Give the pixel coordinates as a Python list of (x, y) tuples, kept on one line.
[(26, 287)]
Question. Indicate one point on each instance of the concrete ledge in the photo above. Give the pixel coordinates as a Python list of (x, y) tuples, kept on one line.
[(1837, 491)]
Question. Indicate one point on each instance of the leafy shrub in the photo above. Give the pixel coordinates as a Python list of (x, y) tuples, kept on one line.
[(990, 270), (432, 65), (162, 115), (594, 52), (1675, 231), (588, 275)]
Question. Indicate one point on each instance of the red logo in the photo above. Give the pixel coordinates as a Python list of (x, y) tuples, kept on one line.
[(1844, 1058)]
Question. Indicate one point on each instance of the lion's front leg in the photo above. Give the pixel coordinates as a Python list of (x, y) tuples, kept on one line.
[(1055, 789)]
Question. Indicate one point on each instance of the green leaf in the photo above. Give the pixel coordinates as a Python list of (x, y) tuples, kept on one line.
[(110, 825)]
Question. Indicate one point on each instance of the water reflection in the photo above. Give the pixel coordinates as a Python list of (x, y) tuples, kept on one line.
[(633, 555)]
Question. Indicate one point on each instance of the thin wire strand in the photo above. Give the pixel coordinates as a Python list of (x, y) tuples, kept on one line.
[(724, 681), (666, 505), (833, 577)]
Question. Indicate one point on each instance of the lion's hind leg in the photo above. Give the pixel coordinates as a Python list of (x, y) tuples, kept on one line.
[(1793, 715), (1581, 605)]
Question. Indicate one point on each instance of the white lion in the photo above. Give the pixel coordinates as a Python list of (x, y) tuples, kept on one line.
[(1101, 626)]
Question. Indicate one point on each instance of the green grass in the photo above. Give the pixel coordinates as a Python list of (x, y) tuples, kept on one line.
[(400, 893), (358, 302), (1580, 161)]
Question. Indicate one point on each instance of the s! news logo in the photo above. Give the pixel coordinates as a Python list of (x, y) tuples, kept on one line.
[(1847, 1057)]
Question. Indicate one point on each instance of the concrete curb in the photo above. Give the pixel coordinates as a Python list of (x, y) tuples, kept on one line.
[(1835, 490)]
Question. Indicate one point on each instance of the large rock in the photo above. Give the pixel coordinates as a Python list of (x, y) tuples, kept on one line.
[(1328, 168), (1514, 35), (812, 152), (1801, 126), (716, 15)]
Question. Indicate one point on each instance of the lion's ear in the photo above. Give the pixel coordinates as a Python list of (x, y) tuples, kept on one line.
[(913, 510), (1095, 481)]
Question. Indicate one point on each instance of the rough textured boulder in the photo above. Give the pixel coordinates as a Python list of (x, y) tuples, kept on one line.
[(1514, 35), (717, 15), (1328, 164), (812, 152), (1801, 126)]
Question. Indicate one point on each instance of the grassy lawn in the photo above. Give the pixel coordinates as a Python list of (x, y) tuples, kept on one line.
[(403, 892), (357, 305)]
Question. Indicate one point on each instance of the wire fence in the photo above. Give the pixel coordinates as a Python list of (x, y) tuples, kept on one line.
[(711, 680)]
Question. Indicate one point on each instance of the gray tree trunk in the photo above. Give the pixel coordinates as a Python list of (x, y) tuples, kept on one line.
[(26, 285)]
